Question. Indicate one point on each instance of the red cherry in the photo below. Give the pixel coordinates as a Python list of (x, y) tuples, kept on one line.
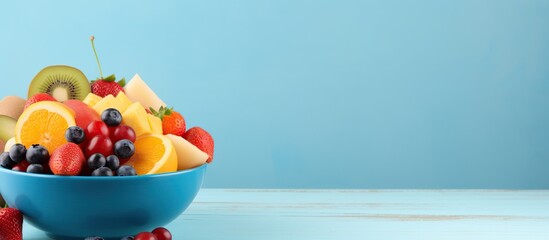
[(162, 233), (123, 161), (95, 128), (122, 132), (145, 236), (21, 167), (99, 144)]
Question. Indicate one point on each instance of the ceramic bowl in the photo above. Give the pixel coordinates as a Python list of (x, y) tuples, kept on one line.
[(74, 207)]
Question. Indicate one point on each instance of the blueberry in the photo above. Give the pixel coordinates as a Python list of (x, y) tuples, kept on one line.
[(126, 171), (75, 134), (6, 162), (113, 162), (96, 160), (94, 238), (102, 171), (37, 154), (111, 117), (18, 152), (128, 238), (124, 148), (35, 168)]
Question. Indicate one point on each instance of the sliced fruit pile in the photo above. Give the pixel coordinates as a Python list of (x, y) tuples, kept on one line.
[(69, 126)]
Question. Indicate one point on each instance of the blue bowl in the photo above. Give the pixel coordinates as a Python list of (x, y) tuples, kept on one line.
[(111, 207)]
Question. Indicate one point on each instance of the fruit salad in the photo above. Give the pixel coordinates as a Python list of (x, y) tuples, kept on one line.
[(71, 126)]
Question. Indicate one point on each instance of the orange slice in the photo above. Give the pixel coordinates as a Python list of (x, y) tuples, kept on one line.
[(154, 153), (44, 123)]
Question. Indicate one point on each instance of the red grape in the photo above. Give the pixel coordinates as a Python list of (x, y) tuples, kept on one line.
[(21, 167), (99, 144), (96, 128), (123, 161), (162, 233), (145, 236), (122, 132)]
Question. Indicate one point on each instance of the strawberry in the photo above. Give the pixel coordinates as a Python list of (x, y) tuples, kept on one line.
[(172, 121), (11, 224), (202, 140), (39, 98), (67, 159), (106, 86)]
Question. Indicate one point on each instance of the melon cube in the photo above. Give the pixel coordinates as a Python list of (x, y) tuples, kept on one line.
[(108, 102), (155, 123), (135, 116), (91, 99), (124, 100)]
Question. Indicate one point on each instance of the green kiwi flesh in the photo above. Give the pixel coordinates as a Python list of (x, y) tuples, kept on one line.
[(60, 81), (7, 128)]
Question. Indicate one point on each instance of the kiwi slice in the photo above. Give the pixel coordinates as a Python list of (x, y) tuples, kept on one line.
[(62, 82)]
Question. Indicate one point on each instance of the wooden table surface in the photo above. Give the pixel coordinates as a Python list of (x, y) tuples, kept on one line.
[(254, 214)]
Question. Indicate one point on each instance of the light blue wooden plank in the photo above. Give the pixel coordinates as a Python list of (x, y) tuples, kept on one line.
[(361, 214)]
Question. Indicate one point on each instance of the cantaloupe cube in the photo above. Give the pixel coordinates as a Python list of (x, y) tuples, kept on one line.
[(91, 99), (155, 123), (124, 100), (136, 117), (108, 102)]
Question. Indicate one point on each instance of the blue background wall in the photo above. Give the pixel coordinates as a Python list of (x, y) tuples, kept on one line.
[(322, 94)]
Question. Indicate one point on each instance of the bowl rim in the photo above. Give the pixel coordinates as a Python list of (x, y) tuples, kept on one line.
[(103, 178)]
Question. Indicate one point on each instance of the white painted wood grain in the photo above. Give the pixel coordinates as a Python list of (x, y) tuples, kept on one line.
[(243, 214)]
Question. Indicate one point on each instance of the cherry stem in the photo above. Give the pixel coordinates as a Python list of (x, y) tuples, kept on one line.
[(96, 57)]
